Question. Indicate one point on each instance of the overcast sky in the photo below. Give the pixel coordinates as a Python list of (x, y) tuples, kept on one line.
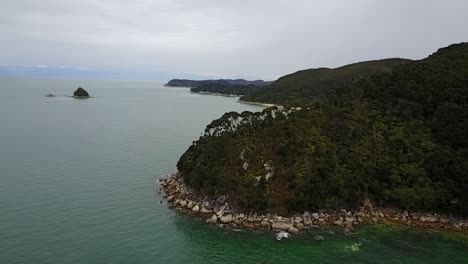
[(221, 38)]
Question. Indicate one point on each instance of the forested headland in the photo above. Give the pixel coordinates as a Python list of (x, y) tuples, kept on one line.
[(397, 137)]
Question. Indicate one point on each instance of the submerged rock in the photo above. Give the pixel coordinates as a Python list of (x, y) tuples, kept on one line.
[(282, 235), (80, 92)]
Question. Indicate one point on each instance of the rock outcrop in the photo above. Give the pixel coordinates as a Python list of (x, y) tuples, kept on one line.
[(80, 93)]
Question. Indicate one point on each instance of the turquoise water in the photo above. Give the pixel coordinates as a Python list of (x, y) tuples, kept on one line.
[(77, 185)]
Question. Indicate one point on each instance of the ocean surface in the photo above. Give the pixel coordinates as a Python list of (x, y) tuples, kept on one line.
[(78, 185)]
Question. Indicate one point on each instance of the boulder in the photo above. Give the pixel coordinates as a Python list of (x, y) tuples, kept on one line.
[(293, 230), (338, 223), (220, 213), (183, 203), (80, 92), (430, 219), (226, 219), (212, 220), (190, 205), (316, 216), (281, 226), (170, 198), (299, 226), (204, 210), (322, 222), (196, 208)]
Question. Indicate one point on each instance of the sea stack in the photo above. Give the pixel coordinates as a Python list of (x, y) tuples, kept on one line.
[(80, 93)]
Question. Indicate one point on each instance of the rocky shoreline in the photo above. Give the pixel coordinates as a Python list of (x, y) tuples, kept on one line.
[(218, 211)]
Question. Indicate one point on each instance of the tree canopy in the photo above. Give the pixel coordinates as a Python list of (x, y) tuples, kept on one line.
[(399, 138)]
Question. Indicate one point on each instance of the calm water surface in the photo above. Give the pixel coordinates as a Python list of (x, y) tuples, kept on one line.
[(77, 185)]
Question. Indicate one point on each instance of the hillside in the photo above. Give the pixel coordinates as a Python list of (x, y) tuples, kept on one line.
[(226, 89), (313, 84), (220, 82), (398, 138)]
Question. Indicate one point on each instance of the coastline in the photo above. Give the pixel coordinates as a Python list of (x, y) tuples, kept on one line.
[(217, 94), (217, 211), (258, 103), (239, 101)]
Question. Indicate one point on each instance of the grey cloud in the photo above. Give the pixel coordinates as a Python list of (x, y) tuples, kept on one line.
[(264, 39)]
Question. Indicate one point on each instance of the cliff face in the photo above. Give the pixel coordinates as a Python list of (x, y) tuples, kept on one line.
[(398, 138), (221, 82)]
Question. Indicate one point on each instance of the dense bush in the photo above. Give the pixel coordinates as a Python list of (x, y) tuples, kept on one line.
[(398, 138)]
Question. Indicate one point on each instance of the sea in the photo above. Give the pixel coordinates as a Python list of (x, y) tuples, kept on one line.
[(78, 184)]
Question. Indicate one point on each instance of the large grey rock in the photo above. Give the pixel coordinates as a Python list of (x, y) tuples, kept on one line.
[(281, 226), (212, 220), (315, 216), (204, 210), (338, 223), (293, 230), (220, 213), (299, 226), (226, 219), (196, 208), (430, 219)]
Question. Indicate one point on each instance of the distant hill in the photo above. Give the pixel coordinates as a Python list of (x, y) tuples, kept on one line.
[(221, 82), (216, 88), (313, 84)]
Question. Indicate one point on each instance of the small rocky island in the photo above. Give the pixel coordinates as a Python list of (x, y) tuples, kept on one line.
[(80, 93)]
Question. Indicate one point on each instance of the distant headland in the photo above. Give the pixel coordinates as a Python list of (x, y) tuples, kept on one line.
[(224, 82)]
